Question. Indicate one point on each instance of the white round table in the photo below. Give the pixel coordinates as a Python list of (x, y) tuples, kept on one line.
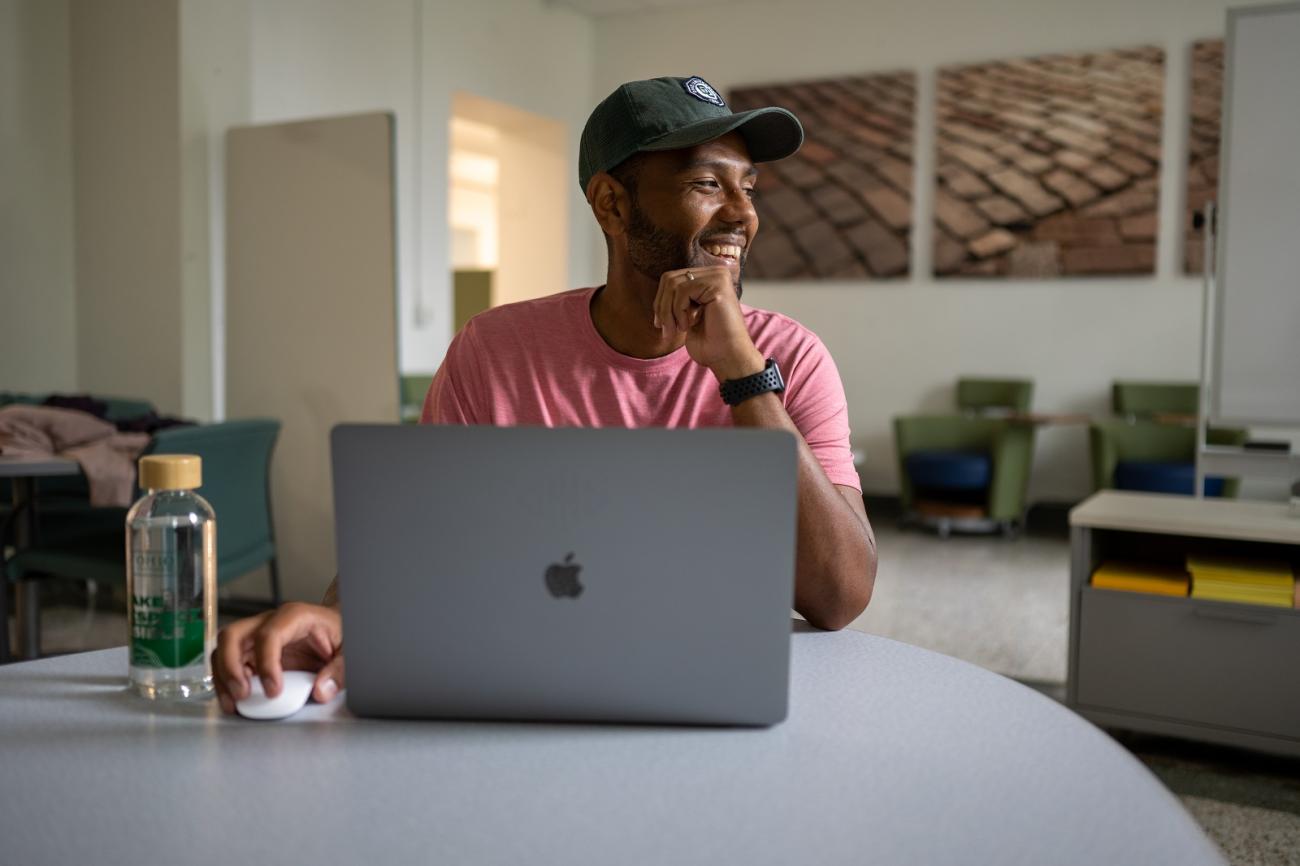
[(891, 755)]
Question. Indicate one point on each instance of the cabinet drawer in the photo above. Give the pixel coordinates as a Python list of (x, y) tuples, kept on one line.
[(1212, 663)]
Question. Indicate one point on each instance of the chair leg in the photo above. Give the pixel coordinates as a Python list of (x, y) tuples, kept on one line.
[(4, 614), (274, 569), (27, 598), (5, 655)]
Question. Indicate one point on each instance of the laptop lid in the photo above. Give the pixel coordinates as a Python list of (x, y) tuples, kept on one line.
[(568, 574)]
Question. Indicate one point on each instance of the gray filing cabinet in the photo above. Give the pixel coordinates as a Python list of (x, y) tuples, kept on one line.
[(1205, 670)]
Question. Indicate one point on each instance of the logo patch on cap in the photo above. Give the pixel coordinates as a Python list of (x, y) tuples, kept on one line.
[(700, 89)]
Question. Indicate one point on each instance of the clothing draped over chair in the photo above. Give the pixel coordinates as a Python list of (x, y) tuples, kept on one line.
[(107, 457)]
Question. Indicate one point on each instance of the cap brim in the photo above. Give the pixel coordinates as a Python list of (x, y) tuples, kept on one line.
[(769, 133)]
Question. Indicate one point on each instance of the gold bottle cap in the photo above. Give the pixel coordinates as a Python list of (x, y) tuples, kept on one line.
[(171, 472)]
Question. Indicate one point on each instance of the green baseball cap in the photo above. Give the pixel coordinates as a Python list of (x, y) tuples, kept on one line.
[(672, 113)]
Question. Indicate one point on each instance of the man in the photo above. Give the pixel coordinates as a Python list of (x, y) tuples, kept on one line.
[(669, 173)]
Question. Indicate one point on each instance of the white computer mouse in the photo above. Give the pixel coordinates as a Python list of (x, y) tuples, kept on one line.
[(292, 698)]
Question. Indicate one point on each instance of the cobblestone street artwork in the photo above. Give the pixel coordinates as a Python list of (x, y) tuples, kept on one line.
[(841, 208), (1205, 106), (1049, 166)]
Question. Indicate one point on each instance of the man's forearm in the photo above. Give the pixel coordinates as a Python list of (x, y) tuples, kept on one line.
[(835, 564)]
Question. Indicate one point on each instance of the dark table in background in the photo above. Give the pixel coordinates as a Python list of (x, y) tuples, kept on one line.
[(22, 473)]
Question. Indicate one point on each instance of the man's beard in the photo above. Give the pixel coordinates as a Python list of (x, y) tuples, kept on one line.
[(654, 251)]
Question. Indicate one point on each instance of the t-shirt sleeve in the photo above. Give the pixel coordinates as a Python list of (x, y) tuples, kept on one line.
[(455, 397), (815, 401)]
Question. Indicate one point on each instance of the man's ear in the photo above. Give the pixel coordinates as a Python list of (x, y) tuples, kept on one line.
[(610, 203)]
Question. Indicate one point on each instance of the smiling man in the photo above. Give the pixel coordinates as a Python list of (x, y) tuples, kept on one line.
[(669, 173)]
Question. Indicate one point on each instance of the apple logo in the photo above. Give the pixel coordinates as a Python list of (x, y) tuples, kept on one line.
[(562, 578)]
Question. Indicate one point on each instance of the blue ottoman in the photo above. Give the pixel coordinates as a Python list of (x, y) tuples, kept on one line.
[(949, 470), (1156, 476)]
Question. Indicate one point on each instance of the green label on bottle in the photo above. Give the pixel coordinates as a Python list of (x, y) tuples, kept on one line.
[(162, 638)]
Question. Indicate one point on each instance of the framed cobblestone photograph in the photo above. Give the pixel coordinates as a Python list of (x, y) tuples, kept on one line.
[(841, 208), (1205, 107), (1049, 166)]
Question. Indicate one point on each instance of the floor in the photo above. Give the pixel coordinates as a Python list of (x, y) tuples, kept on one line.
[(1001, 604)]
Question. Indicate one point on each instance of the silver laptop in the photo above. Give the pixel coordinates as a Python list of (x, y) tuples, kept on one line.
[(566, 574)]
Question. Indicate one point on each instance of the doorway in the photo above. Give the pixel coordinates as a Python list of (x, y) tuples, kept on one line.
[(508, 205)]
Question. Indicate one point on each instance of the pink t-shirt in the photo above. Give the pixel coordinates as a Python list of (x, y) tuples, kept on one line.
[(543, 363)]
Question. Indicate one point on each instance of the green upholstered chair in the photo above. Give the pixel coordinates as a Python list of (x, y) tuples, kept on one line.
[(1145, 400), (972, 459), (994, 395), (1008, 445), (1141, 451), (1155, 457), (236, 482), (414, 389)]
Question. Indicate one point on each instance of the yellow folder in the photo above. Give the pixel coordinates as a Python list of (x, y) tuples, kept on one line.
[(1140, 577), (1275, 574)]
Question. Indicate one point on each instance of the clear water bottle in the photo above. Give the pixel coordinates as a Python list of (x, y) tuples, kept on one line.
[(171, 580)]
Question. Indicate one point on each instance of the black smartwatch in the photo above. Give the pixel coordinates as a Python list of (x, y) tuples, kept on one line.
[(737, 391)]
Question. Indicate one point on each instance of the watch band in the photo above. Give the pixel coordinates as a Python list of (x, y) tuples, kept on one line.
[(736, 391)]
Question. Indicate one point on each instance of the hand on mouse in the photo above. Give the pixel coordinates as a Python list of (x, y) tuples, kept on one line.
[(295, 636)]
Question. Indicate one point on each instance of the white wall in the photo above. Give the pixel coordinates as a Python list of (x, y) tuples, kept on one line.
[(312, 58), (901, 345), (38, 324), (125, 61), (215, 95)]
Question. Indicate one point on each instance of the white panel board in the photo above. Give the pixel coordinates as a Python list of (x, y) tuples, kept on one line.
[(1256, 377), (311, 309)]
